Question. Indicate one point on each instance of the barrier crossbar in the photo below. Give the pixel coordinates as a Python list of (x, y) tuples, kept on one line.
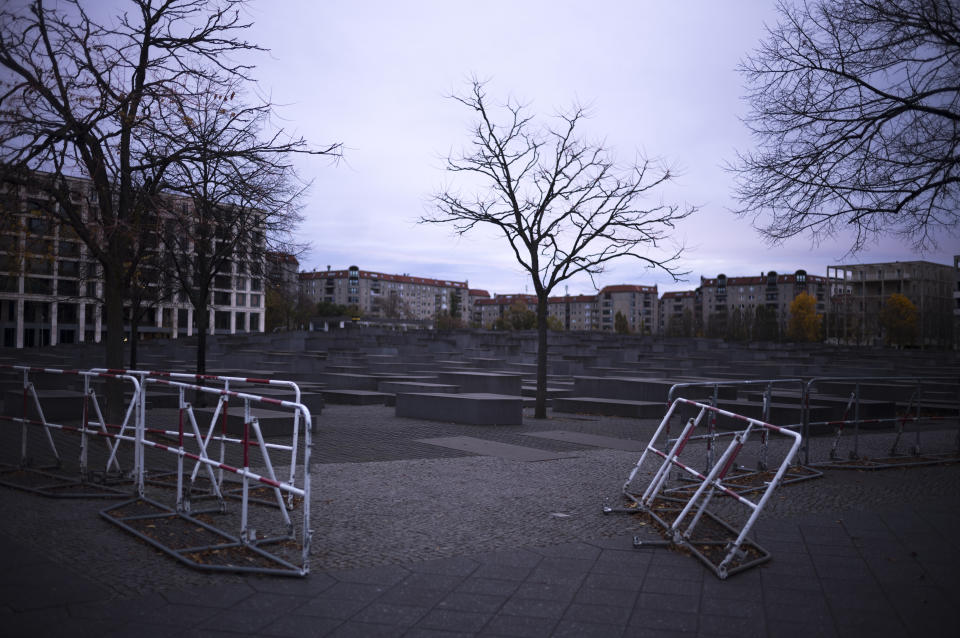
[(222, 409), (54, 481), (848, 428), (247, 539), (721, 546)]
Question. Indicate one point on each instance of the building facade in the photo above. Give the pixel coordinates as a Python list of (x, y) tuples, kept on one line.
[(730, 304), (496, 308), (575, 312), (51, 287), (680, 313), (388, 296), (639, 304), (859, 292)]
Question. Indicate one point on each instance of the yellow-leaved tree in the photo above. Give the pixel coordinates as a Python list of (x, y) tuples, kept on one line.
[(898, 317), (804, 324)]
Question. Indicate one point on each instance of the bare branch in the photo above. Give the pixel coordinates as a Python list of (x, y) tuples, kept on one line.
[(856, 115)]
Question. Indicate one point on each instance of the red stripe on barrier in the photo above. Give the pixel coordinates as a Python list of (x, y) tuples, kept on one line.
[(252, 380), (733, 457)]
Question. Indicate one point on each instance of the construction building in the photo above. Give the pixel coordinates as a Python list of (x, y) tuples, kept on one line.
[(859, 292)]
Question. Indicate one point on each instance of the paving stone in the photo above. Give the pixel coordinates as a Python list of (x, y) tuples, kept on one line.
[(296, 626), (602, 581), (389, 614), (533, 607), (520, 626), (473, 602), (670, 602), (333, 608), (576, 629), (364, 630), (658, 619), (598, 614), (455, 620), (488, 586)]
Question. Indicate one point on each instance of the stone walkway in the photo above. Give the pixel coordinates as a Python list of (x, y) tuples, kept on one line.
[(414, 539)]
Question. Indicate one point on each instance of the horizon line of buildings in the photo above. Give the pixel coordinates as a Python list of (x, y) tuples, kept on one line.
[(849, 297), (51, 291)]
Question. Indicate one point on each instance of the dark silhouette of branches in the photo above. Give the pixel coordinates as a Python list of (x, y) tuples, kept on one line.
[(855, 108), (562, 204)]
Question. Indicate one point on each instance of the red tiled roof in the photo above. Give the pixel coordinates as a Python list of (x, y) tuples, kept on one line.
[(753, 281), (379, 276), (506, 300), (476, 292), (679, 294), (628, 288), (573, 299)]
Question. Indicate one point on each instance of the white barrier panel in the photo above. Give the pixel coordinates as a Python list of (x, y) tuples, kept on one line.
[(680, 518)]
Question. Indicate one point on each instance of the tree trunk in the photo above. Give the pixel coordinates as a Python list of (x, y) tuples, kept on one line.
[(203, 325), (540, 408), (113, 308), (134, 333)]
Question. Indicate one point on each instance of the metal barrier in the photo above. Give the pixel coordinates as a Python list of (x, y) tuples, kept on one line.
[(222, 408), (912, 414), (722, 547), (744, 479), (181, 529), (47, 480), (221, 550)]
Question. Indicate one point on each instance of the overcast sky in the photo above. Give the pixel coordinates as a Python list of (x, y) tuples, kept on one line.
[(659, 78)]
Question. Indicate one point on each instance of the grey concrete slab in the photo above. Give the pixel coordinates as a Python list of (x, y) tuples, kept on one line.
[(595, 440), (474, 408), (493, 448)]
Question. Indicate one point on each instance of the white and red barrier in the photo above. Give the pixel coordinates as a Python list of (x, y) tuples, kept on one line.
[(680, 519)]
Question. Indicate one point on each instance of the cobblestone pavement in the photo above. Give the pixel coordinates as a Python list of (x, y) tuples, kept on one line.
[(422, 540)]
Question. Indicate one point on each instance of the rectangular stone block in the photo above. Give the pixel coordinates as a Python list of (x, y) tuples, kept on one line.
[(475, 408)]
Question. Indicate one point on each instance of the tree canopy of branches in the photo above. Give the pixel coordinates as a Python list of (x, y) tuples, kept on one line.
[(562, 204), (239, 195), (117, 102), (804, 324), (81, 99), (855, 109)]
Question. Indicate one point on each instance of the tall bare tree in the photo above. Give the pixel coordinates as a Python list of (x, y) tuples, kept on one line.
[(856, 117), (78, 98), (562, 204), (240, 196)]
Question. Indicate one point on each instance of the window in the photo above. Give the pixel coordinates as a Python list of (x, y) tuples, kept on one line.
[(241, 299), (221, 298)]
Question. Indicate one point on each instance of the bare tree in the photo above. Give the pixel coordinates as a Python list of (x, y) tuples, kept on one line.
[(562, 204), (856, 116), (78, 99), (240, 196)]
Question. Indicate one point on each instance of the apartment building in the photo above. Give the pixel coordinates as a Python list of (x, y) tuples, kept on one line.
[(680, 313), (727, 299), (859, 291), (384, 295), (492, 309), (51, 287), (639, 304), (474, 316), (575, 312)]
